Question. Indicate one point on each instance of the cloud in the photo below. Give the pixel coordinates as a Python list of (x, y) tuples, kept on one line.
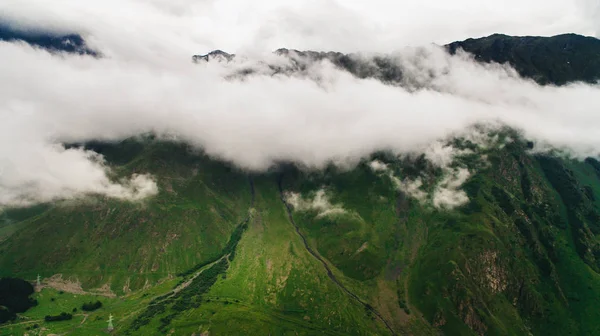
[(447, 194), (162, 31), (412, 187), (320, 203), (146, 82), (378, 166), (59, 173)]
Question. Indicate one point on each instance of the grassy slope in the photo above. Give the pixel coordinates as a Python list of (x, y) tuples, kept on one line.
[(106, 241), (548, 289), (510, 262), (274, 285)]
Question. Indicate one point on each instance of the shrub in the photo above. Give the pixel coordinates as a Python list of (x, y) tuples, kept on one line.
[(91, 306), (62, 317)]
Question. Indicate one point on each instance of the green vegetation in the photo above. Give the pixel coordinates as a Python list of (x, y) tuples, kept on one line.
[(520, 257), (61, 317), (90, 306), (134, 245)]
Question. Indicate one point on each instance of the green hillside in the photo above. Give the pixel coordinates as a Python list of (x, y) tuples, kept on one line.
[(339, 251), (521, 257)]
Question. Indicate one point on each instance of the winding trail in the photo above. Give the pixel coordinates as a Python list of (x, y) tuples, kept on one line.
[(327, 268)]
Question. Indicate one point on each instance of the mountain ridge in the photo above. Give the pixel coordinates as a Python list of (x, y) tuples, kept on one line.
[(537, 57)]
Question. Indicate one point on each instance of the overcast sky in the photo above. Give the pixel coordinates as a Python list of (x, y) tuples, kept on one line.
[(147, 82), (198, 26)]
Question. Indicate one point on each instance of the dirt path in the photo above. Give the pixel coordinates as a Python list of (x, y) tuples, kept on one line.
[(326, 266), (57, 282), (85, 316), (14, 324)]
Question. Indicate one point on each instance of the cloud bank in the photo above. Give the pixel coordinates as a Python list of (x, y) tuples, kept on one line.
[(161, 30), (146, 82)]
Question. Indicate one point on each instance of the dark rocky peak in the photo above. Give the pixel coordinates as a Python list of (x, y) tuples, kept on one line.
[(215, 55), (51, 41), (554, 60)]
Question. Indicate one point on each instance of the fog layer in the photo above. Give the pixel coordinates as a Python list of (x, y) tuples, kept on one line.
[(146, 82)]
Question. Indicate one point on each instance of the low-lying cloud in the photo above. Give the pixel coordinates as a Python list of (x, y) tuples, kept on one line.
[(44, 173), (446, 193), (254, 122), (320, 116), (319, 202)]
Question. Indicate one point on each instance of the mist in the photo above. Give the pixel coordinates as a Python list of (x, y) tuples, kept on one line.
[(160, 31), (147, 83)]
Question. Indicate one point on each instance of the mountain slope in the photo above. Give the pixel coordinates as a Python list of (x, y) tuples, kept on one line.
[(520, 256), (103, 241), (547, 60)]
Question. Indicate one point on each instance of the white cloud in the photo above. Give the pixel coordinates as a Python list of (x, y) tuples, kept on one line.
[(378, 166), (146, 82), (447, 194), (57, 173), (442, 154), (412, 187), (320, 203), (162, 30)]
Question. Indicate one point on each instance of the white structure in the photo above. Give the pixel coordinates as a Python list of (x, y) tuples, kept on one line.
[(110, 323)]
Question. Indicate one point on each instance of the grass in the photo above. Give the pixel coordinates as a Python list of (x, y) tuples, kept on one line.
[(507, 263), (129, 245)]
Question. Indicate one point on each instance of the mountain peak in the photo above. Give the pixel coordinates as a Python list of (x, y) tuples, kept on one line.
[(51, 41), (215, 55)]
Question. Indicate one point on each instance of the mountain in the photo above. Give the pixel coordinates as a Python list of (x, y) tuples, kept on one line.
[(71, 43), (215, 55), (555, 60), (221, 251)]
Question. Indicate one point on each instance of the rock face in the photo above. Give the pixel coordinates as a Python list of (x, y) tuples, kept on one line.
[(214, 56)]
